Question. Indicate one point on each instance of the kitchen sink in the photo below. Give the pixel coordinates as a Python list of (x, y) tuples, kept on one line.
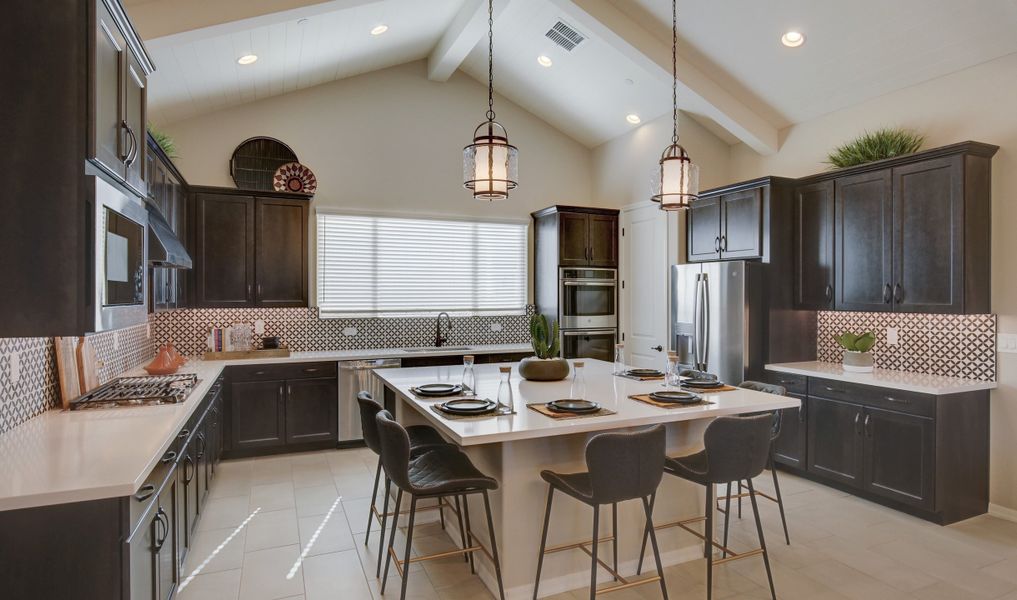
[(437, 348)]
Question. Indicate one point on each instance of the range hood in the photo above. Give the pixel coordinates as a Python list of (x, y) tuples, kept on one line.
[(164, 247)]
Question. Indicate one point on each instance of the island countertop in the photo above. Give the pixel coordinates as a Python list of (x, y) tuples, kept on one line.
[(610, 391)]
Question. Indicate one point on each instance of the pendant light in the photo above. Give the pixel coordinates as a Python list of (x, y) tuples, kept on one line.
[(490, 163), (676, 185)]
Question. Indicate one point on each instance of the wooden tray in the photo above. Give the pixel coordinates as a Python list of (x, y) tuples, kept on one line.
[(235, 354)]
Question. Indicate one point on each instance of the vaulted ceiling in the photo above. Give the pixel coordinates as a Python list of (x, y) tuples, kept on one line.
[(735, 76)]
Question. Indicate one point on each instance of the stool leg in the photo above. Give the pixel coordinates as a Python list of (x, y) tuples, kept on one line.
[(656, 550), (494, 546), (543, 539), (462, 530), (780, 501), (469, 530), (727, 515), (762, 542), (646, 534), (384, 522), (739, 499), (708, 545), (391, 538), (374, 498), (614, 534), (441, 512), (593, 569), (409, 546)]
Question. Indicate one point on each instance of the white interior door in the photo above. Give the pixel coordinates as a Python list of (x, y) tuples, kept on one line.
[(645, 262)]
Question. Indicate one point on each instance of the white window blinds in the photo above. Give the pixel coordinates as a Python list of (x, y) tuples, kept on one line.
[(390, 266)]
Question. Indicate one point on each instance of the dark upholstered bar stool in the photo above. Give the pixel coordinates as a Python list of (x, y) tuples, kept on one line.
[(423, 438), (695, 374), (622, 466), (437, 474), (736, 449)]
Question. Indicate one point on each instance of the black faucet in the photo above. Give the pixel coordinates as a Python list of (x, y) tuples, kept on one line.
[(438, 339)]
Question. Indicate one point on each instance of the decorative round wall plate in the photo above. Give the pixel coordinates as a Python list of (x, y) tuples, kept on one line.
[(294, 177)]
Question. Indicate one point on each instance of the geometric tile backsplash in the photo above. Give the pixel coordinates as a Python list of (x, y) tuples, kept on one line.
[(948, 345)]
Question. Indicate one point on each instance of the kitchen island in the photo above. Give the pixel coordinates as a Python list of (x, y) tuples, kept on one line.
[(515, 448)]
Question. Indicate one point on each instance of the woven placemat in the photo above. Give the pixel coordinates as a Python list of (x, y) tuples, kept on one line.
[(645, 398), (696, 390), (547, 412), (501, 412), (624, 375), (466, 393)]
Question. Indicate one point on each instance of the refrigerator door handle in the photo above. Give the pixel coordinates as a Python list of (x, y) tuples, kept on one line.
[(696, 323), (706, 323)]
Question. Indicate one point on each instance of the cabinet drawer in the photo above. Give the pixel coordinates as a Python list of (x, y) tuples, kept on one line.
[(282, 371), (795, 384), (890, 399), (149, 491)]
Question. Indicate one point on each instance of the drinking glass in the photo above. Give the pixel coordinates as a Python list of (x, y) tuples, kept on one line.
[(578, 391), (505, 387), (619, 358), (469, 376)]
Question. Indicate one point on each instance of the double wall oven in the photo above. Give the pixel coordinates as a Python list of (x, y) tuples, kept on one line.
[(588, 312)]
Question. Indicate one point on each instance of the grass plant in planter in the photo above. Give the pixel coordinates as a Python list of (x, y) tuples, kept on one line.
[(876, 145), (857, 358), (545, 365)]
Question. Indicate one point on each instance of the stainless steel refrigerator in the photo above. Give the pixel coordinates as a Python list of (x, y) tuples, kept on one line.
[(720, 316)]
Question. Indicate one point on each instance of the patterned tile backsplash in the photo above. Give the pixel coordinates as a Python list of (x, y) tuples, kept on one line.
[(302, 330), (948, 345)]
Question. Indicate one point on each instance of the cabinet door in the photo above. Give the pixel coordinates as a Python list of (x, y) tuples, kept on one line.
[(603, 241), (741, 225), (224, 248), (900, 457), (257, 414), (573, 239), (166, 545), (814, 246), (790, 446), (203, 465), (281, 242), (135, 99), (835, 440), (142, 553), (928, 237), (703, 230), (187, 500), (110, 143), (864, 249), (312, 407)]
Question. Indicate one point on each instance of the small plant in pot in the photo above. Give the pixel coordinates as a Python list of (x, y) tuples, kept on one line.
[(545, 365), (857, 358)]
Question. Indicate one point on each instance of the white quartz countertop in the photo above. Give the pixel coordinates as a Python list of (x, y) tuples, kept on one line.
[(898, 380), (63, 456), (608, 390)]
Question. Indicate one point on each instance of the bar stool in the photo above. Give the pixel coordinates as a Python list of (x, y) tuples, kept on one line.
[(696, 374), (423, 438), (777, 416), (437, 474), (736, 449), (621, 466)]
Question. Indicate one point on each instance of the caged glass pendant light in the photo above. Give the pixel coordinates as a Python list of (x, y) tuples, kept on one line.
[(676, 183), (490, 163)]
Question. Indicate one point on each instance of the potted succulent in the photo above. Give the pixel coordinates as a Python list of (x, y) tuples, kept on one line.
[(857, 358), (545, 365)]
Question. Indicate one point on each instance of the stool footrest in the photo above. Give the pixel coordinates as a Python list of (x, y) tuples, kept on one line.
[(441, 501), (477, 546)]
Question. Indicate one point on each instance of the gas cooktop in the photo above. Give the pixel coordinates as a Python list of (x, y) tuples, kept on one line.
[(138, 391)]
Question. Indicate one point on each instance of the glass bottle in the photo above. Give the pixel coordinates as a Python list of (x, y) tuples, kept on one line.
[(578, 391), (469, 376), (619, 358), (671, 373), (505, 387)]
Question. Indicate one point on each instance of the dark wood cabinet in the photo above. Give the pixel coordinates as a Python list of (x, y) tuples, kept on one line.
[(899, 456), (258, 414), (312, 407), (249, 251), (166, 542), (573, 239), (790, 447), (835, 441), (167, 190), (864, 241), (577, 236), (814, 246), (703, 230), (734, 222), (741, 223), (603, 240)]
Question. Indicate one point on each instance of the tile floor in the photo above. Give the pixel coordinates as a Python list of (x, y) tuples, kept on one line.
[(255, 542)]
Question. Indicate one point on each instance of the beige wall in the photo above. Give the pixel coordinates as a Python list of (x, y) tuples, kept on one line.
[(979, 103)]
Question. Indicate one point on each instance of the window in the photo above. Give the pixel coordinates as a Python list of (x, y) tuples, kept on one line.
[(393, 266)]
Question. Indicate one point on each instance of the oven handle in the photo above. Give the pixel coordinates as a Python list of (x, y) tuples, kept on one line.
[(579, 283), (588, 332)]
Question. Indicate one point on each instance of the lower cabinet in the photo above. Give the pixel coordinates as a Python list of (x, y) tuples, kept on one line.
[(312, 407), (258, 414), (900, 456), (790, 447), (835, 448)]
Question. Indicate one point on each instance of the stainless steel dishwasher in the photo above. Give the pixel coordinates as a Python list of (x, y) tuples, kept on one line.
[(356, 376)]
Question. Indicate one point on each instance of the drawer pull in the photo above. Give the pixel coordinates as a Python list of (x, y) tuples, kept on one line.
[(169, 456), (830, 389), (897, 400), (858, 417), (868, 431), (259, 372), (311, 370), (145, 492), (184, 433)]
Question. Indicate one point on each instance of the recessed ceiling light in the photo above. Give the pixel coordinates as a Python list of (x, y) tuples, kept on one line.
[(379, 29), (544, 61), (792, 39), (247, 59), (633, 118)]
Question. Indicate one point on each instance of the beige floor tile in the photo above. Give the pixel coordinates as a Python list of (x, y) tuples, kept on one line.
[(220, 513), (271, 470), (357, 485), (311, 475), (418, 588), (470, 590), (943, 590), (316, 500), (356, 510), (335, 575), (272, 496), (921, 555), (270, 529), (852, 583), (224, 585), (329, 536), (212, 552), (266, 574)]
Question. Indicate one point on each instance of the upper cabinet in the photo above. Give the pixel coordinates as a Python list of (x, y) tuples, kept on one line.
[(864, 226), (732, 222), (250, 251), (119, 92), (571, 236), (167, 190), (814, 246)]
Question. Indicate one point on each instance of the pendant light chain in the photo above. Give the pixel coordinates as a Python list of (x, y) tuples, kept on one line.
[(674, 70), (490, 60)]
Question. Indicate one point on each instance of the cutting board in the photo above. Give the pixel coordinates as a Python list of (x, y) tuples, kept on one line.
[(88, 366), (67, 368)]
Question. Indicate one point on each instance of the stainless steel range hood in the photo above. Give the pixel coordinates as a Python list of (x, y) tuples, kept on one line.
[(164, 247)]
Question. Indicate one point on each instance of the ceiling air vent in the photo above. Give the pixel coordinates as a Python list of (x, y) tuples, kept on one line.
[(565, 36)]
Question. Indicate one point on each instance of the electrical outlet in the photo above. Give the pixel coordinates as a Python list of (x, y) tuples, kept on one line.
[(1007, 342), (116, 341), (892, 336), (148, 331), (259, 327), (15, 360), (350, 331), (496, 327)]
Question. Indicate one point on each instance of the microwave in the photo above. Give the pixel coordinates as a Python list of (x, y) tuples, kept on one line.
[(121, 251)]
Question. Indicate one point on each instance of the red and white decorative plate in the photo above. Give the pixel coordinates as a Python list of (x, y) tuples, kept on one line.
[(294, 177)]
